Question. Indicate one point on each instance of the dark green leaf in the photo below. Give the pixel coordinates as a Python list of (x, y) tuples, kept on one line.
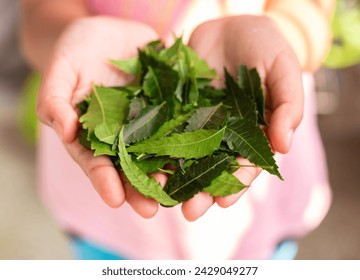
[(241, 106), (195, 144), (145, 124), (83, 106), (209, 96), (139, 179), (160, 84), (250, 84), (169, 127), (83, 138), (136, 105), (198, 176), (247, 139), (207, 118)]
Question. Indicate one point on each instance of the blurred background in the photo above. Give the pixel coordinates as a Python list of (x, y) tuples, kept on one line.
[(28, 232)]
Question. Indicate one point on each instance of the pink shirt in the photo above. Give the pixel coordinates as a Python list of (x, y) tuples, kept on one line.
[(269, 212)]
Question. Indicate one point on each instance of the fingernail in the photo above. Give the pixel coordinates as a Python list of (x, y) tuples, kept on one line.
[(58, 129), (290, 138)]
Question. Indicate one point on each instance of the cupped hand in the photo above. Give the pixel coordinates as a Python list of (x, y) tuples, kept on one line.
[(256, 42), (79, 60)]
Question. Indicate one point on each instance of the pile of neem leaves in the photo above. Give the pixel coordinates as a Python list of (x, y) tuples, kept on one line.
[(171, 119)]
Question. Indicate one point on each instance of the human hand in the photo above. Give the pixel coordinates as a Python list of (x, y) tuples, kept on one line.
[(79, 60), (256, 42)]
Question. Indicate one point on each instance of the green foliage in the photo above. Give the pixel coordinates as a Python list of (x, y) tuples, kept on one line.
[(345, 50), (196, 177), (145, 124), (224, 185), (172, 120), (187, 145), (250, 142), (250, 84), (106, 113), (139, 179)]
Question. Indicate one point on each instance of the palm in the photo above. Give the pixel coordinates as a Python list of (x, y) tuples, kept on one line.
[(79, 61), (256, 42)]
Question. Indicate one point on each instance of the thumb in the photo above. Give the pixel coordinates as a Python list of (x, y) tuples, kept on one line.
[(54, 106), (286, 96)]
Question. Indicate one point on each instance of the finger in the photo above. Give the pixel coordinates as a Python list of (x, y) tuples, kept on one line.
[(246, 174), (54, 106), (101, 172), (197, 206), (286, 93), (145, 207)]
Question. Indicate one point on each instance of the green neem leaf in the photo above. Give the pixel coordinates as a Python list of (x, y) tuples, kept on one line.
[(174, 53), (194, 72), (101, 148), (180, 53), (248, 140), (90, 141), (198, 176), (139, 179), (160, 84), (145, 124), (149, 57), (84, 138), (209, 96), (241, 106), (224, 185), (169, 127), (191, 93), (83, 105), (195, 144), (153, 164), (129, 66), (250, 83), (207, 118), (136, 105), (200, 66), (174, 116), (106, 114)]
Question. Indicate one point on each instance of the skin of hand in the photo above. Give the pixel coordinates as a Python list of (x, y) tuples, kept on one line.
[(79, 60), (256, 42)]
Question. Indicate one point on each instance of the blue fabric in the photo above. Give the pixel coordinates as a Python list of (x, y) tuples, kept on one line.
[(286, 250), (85, 250)]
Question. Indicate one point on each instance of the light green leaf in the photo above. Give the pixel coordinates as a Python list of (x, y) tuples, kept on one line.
[(224, 185), (186, 145), (106, 114), (139, 179), (153, 164), (101, 148), (249, 141), (129, 66), (200, 66)]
